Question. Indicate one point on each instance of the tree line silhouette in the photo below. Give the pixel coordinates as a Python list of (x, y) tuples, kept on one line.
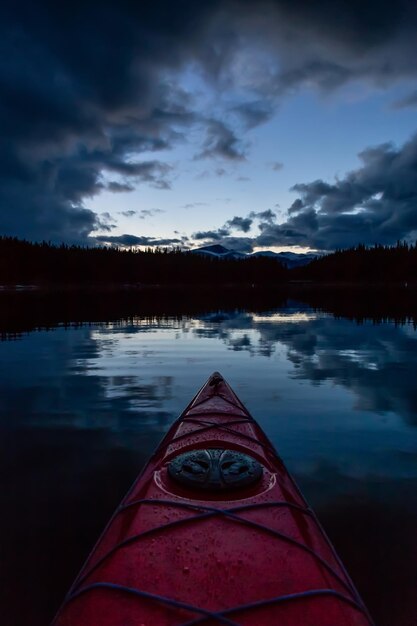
[(24, 262), (362, 264)]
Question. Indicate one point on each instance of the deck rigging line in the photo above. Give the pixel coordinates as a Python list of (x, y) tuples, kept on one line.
[(212, 512), (209, 425), (219, 616)]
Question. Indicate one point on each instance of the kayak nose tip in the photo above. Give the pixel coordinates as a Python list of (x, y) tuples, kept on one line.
[(215, 379)]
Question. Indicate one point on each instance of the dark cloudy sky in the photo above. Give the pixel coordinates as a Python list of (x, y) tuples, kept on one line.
[(253, 124)]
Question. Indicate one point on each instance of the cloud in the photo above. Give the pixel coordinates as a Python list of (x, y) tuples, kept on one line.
[(92, 87), (152, 172), (130, 213), (264, 216), (296, 207), (240, 223), (254, 113), (238, 244), (221, 142), (276, 166), (105, 222), (127, 240), (266, 219), (374, 204), (79, 101), (326, 44), (116, 187), (193, 205), (213, 235), (223, 235), (149, 213), (407, 101)]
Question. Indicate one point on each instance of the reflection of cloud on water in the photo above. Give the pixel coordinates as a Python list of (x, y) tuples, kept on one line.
[(257, 333), (92, 376), (64, 379), (377, 362)]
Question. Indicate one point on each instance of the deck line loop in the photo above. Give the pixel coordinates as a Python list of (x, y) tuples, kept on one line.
[(212, 512), (219, 616)]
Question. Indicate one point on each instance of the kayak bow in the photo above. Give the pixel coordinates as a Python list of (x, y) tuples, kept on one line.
[(214, 531)]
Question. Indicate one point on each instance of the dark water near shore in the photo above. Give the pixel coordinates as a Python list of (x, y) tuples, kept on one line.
[(81, 409)]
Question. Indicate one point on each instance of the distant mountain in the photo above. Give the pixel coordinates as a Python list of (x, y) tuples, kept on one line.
[(289, 259), (216, 250)]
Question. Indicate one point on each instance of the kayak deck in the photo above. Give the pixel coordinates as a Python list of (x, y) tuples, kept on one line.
[(206, 537)]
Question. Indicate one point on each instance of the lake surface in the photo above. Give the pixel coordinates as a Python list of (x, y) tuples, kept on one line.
[(82, 408)]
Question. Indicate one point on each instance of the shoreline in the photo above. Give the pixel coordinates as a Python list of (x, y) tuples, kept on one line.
[(158, 287)]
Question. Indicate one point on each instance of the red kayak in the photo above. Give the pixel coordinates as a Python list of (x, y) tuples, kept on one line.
[(214, 531)]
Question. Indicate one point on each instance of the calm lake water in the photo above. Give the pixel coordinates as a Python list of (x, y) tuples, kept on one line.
[(82, 408)]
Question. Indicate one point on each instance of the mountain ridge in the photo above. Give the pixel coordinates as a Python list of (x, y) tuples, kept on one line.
[(289, 259)]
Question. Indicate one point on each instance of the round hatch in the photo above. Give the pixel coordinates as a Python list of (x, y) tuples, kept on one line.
[(214, 468)]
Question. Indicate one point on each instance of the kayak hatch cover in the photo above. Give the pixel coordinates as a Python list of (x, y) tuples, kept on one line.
[(213, 531)]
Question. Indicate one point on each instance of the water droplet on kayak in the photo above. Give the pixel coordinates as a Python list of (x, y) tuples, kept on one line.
[(186, 570)]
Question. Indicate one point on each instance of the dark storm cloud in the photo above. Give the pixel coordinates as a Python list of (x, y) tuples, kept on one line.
[(373, 204), (296, 207), (153, 172), (132, 240), (328, 43), (87, 86), (82, 93)]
